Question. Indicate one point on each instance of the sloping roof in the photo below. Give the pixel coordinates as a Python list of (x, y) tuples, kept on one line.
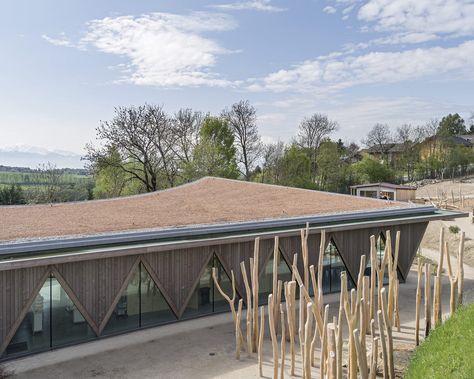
[(208, 201), (386, 148), (387, 185)]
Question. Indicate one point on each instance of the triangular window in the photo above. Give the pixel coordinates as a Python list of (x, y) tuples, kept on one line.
[(266, 277), (333, 265)]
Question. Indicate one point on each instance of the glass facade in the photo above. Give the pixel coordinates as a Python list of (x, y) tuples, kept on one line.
[(266, 278), (333, 265), (206, 298), (52, 321)]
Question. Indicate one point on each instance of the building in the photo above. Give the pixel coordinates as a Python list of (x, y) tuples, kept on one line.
[(75, 272), (389, 151), (386, 191), (433, 146)]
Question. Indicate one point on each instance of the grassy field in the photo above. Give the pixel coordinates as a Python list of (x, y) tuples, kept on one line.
[(31, 179), (449, 350)]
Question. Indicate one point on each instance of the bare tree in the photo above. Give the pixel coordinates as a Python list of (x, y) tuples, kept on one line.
[(186, 125), (311, 131), (379, 139), (242, 118), (143, 137), (272, 153), (51, 179)]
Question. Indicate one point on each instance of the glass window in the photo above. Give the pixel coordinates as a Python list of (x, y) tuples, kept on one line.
[(380, 255), (200, 302), (333, 265), (126, 315), (68, 325), (33, 334), (154, 308), (266, 278), (221, 304)]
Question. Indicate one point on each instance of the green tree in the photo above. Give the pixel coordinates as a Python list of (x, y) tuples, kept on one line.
[(370, 170), (331, 173), (294, 168), (12, 195), (214, 154), (451, 125)]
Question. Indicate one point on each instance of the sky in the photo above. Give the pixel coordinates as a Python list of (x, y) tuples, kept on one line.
[(65, 65)]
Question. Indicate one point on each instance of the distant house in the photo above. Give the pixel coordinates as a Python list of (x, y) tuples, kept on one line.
[(433, 145), (387, 191), (389, 151)]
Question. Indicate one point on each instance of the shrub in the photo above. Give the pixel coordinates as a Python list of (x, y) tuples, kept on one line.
[(454, 229)]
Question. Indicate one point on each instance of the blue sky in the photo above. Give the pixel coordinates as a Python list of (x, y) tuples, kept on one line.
[(66, 64)]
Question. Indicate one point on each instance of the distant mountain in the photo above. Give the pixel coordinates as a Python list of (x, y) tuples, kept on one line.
[(33, 156)]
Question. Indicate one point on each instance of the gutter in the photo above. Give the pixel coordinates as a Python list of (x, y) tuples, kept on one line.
[(14, 248)]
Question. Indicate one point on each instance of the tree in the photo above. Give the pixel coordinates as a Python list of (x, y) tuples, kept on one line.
[(214, 154), (143, 138), (311, 132), (331, 167), (379, 139), (272, 154), (242, 118), (409, 138), (370, 170), (51, 178), (12, 195), (294, 168), (186, 125), (452, 125)]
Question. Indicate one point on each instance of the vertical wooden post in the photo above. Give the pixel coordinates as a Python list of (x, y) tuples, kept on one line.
[(295, 264), (249, 308), (383, 342), (388, 327), (352, 316), (427, 298), (366, 296), (361, 355), (331, 366), (461, 269), (374, 358), (260, 340), (397, 305), (362, 323), (276, 256), (255, 290), (323, 353), (339, 343), (238, 331), (271, 324), (452, 281), (373, 270), (301, 320), (437, 295), (307, 338), (283, 342), (418, 303), (291, 315)]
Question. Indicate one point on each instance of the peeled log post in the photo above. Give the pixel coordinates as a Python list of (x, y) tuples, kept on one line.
[(388, 327), (362, 323), (276, 255), (397, 306), (307, 338), (384, 344), (331, 365), (339, 344), (438, 309), (255, 291), (301, 320), (271, 324), (291, 315), (283, 342), (461, 269), (427, 299), (418, 303), (373, 270), (324, 343), (361, 356), (249, 308), (238, 332), (260, 340), (373, 364), (352, 314), (452, 281)]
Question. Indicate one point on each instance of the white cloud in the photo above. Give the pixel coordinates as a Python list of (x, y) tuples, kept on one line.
[(329, 10), (258, 5), (160, 49), (407, 20), (335, 73), (61, 41)]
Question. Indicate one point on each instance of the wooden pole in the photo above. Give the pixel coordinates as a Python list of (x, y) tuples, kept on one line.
[(238, 332), (397, 305), (276, 256), (301, 320), (374, 358), (418, 303), (452, 281), (249, 308), (352, 316), (307, 338), (339, 344), (361, 355), (332, 364), (383, 343), (260, 340), (461, 269), (437, 296), (255, 290), (324, 342), (362, 323), (271, 324), (291, 315), (388, 328), (295, 264), (373, 278), (283, 342)]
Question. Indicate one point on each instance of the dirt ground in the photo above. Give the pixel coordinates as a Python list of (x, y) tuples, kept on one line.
[(432, 189), (201, 348)]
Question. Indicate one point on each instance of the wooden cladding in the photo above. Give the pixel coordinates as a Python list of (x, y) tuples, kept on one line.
[(95, 286)]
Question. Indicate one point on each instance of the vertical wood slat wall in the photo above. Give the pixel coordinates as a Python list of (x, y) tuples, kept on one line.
[(97, 283)]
